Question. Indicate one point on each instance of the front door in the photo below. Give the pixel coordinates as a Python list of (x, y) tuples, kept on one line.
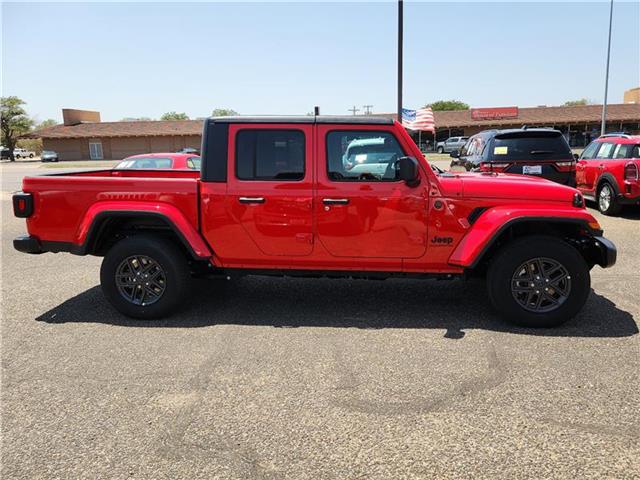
[(362, 209), (269, 187)]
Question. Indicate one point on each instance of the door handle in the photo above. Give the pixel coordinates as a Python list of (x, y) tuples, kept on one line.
[(335, 201), (251, 199)]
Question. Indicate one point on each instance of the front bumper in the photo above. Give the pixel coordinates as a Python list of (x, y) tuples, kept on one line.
[(605, 252), (27, 244)]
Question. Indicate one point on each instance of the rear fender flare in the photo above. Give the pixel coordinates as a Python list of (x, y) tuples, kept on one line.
[(89, 229), (610, 179), (486, 230)]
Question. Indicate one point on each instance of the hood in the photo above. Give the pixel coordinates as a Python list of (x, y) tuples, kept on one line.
[(505, 186)]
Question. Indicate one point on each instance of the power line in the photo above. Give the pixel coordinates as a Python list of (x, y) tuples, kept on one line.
[(367, 109), (354, 110)]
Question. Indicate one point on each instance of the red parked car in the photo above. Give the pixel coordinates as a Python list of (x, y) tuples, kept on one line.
[(318, 196), (607, 172), (154, 161)]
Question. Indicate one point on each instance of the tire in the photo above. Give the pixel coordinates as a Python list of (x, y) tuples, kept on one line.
[(31, 155), (506, 269), (610, 206), (170, 272), (440, 150)]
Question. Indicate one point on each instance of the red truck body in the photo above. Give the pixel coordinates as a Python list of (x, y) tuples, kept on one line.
[(438, 224)]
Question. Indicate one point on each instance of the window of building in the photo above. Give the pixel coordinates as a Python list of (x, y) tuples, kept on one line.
[(362, 156), (270, 155)]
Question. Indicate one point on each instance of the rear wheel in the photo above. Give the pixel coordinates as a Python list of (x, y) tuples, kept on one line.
[(440, 150), (145, 277), (607, 202), (538, 281)]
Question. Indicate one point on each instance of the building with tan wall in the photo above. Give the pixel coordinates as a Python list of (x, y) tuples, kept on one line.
[(84, 136), (632, 95), (117, 140)]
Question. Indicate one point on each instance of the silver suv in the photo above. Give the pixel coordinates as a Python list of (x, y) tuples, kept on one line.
[(451, 144)]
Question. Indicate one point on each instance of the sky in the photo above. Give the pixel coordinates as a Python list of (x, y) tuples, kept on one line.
[(144, 59)]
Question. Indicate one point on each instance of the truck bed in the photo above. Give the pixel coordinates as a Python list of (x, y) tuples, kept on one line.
[(62, 203)]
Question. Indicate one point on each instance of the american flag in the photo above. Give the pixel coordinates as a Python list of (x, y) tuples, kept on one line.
[(421, 119)]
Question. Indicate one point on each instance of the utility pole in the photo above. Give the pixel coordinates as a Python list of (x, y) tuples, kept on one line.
[(400, 19), (606, 78), (354, 110), (367, 109)]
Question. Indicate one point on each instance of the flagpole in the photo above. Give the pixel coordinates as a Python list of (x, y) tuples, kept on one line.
[(400, 18)]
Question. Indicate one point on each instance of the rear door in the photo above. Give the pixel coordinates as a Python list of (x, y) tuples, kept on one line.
[(269, 187), (362, 209)]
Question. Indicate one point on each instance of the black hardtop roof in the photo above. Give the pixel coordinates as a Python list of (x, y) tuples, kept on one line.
[(345, 119)]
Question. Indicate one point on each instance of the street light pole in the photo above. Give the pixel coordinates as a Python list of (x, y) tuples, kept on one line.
[(400, 18), (606, 78)]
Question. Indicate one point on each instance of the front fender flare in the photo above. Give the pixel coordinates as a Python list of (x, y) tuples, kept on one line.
[(491, 223)]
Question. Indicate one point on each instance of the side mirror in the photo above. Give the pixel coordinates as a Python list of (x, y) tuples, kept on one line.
[(408, 171), (576, 157), (455, 153)]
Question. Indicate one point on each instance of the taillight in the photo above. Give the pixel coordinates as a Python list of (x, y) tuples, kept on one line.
[(631, 171), (566, 166), (22, 204), (493, 167)]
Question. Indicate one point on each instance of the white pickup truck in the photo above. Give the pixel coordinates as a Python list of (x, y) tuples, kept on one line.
[(23, 153)]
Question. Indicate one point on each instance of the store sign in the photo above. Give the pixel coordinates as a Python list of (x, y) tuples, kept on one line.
[(497, 113)]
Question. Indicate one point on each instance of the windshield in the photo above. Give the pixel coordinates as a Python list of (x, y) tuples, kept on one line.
[(529, 146), (144, 163)]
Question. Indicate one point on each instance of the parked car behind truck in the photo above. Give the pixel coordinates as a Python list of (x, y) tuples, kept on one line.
[(276, 196), (608, 172), (541, 152), (451, 144)]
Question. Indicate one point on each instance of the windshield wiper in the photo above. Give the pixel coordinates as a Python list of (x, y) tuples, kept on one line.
[(536, 152)]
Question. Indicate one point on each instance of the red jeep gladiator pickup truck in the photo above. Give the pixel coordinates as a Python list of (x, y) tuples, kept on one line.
[(310, 196)]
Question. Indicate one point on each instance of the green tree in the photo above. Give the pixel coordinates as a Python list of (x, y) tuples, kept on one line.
[(49, 122), (174, 116), (576, 103), (13, 122), (441, 105), (223, 112)]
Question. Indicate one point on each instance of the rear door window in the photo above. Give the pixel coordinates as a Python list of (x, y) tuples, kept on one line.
[(606, 150), (270, 155), (623, 150)]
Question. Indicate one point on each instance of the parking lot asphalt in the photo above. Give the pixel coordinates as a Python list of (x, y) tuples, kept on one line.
[(313, 379)]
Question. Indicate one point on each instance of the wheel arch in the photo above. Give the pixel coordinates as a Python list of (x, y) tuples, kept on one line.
[(481, 247), (610, 179), (106, 227)]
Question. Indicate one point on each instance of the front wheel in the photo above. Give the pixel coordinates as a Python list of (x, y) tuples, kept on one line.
[(538, 281), (145, 277)]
